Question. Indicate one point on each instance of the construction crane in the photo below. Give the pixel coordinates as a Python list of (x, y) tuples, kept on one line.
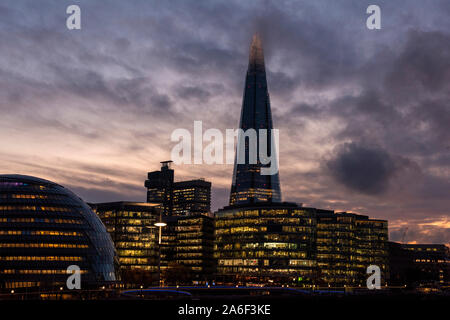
[(404, 235)]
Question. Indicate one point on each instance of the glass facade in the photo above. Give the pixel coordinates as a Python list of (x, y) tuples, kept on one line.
[(191, 197), (290, 244), (189, 241), (131, 226), (265, 243), (249, 185), (45, 228), (347, 244)]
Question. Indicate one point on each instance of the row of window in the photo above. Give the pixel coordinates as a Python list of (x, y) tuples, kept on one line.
[(44, 258), (135, 222), (136, 261), (257, 271), (261, 254), (137, 245), (430, 260), (255, 262), (43, 245), (41, 233), (137, 253), (189, 255), (222, 223), (36, 271), (23, 196), (265, 212), (126, 214), (21, 184), (35, 208), (21, 284), (40, 220)]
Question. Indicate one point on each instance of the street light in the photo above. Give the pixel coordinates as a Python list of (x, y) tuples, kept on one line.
[(159, 224)]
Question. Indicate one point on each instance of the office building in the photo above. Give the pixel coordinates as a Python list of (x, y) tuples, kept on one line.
[(132, 229), (190, 197), (265, 243), (347, 244), (416, 265), (188, 241), (160, 187)]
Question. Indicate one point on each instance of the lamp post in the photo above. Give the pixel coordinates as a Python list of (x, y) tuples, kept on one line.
[(159, 224)]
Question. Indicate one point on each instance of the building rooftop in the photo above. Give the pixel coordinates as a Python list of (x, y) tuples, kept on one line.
[(25, 178), (124, 203)]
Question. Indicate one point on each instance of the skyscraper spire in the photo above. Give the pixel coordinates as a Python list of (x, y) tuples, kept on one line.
[(249, 185), (256, 57)]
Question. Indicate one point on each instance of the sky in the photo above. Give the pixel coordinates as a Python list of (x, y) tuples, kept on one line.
[(363, 114)]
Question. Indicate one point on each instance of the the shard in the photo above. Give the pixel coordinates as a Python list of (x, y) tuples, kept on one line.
[(249, 185)]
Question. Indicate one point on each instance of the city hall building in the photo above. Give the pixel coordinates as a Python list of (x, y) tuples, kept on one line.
[(44, 229)]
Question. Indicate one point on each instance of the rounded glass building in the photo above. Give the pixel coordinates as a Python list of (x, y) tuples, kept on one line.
[(44, 229)]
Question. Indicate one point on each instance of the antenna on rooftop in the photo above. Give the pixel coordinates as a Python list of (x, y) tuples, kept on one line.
[(166, 164)]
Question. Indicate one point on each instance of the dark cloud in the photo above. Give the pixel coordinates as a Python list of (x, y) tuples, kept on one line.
[(282, 83), (191, 92), (364, 169), (422, 65)]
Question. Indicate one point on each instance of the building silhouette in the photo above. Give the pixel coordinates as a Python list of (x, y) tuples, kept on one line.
[(189, 197), (249, 185), (417, 265), (160, 187)]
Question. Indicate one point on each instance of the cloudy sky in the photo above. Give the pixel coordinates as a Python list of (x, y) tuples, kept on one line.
[(363, 114)]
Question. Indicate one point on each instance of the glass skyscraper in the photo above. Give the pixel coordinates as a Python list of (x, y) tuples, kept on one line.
[(249, 185)]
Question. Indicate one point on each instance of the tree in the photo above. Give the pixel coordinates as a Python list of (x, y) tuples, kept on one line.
[(133, 277), (176, 274)]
